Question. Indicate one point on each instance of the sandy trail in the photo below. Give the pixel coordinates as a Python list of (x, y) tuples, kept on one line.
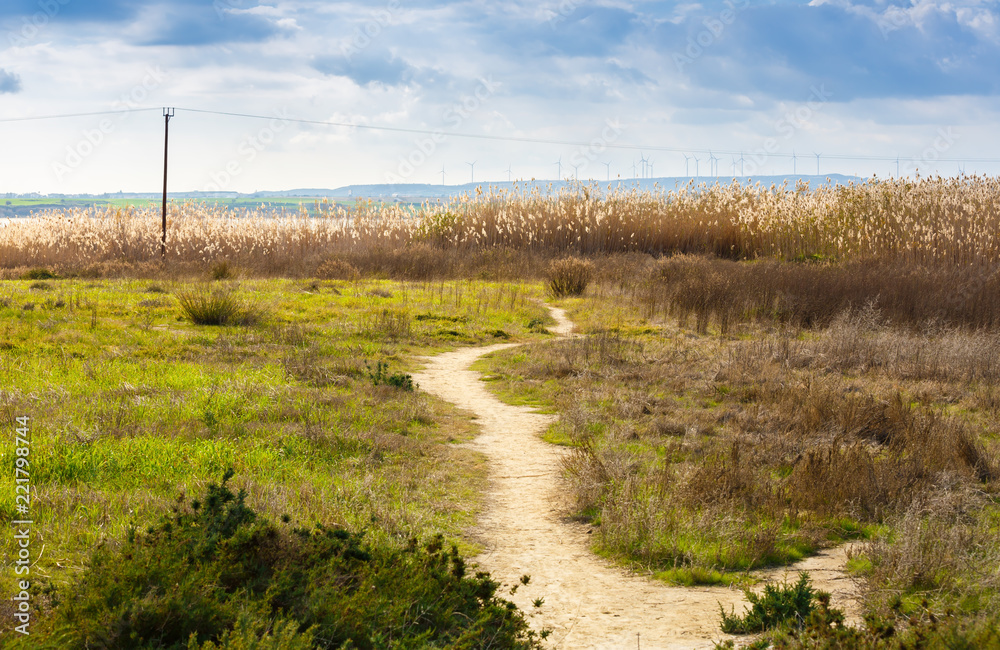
[(589, 603)]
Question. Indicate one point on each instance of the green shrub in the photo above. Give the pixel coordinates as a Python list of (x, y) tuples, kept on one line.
[(779, 606), (381, 376), (824, 629), (39, 274), (207, 306), (569, 276), (213, 574)]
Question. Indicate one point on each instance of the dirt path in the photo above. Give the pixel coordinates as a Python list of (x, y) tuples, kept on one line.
[(589, 603)]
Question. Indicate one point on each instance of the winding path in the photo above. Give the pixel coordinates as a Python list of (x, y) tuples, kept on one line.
[(588, 602)]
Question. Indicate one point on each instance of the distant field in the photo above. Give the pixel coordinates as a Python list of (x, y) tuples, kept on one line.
[(24, 207)]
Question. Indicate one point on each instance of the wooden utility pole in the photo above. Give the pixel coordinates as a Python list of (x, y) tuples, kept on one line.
[(167, 114)]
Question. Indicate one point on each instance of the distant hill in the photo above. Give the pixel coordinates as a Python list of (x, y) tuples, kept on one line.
[(431, 191), (21, 206)]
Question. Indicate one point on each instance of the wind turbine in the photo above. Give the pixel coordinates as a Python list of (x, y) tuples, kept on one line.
[(687, 159), (817, 162), (741, 163), (696, 161), (558, 165), (608, 165), (633, 168), (472, 167), (734, 165), (442, 174), (713, 164), (793, 163), (576, 169), (642, 159), (650, 161), (509, 172)]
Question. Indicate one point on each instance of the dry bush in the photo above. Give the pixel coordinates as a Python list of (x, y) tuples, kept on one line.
[(569, 276), (387, 323), (337, 269), (223, 270), (814, 295), (939, 545)]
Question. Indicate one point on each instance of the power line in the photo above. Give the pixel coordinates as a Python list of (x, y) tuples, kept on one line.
[(477, 136), (66, 115), (570, 143)]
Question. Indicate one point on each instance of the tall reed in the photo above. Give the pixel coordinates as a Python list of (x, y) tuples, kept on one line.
[(940, 221)]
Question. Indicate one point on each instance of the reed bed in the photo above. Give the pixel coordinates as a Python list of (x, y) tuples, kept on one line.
[(940, 221)]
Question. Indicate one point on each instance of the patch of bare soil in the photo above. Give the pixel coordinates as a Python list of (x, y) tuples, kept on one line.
[(588, 602)]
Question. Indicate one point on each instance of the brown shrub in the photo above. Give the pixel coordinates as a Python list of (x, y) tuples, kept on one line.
[(569, 276), (336, 268)]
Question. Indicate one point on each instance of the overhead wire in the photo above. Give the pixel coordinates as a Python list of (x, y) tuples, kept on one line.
[(496, 138)]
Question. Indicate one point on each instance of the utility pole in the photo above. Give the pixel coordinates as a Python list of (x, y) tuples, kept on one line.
[(167, 114)]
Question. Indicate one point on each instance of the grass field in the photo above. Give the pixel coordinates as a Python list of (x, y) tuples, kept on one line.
[(26, 207), (763, 372), (130, 402)]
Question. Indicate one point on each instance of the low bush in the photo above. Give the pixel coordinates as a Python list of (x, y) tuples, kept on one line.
[(824, 629), (569, 276), (381, 377), (39, 274), (207, 306), (214, 574), (223, 270), (779, 606), (337, 269)]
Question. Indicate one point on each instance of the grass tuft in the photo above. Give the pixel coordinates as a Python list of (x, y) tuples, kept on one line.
[(214, 306)]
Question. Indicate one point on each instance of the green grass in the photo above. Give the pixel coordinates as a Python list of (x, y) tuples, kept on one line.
[(211, 569), (696, 575), (130, 401)]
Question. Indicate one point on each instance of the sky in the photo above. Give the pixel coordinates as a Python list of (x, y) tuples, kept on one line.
[(350, 92)]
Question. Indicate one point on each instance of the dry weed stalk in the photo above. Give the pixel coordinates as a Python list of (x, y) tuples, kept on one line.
[(949, 222)]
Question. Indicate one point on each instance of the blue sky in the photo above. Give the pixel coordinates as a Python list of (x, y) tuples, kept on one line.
[(853, 81)]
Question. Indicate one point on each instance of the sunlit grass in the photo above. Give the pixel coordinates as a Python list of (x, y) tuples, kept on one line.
[(130, 402), (948, 221)]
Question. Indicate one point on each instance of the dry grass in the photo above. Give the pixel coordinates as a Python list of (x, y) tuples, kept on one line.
[(568, 276), (724, 293), (700, 454), (950, 222)]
